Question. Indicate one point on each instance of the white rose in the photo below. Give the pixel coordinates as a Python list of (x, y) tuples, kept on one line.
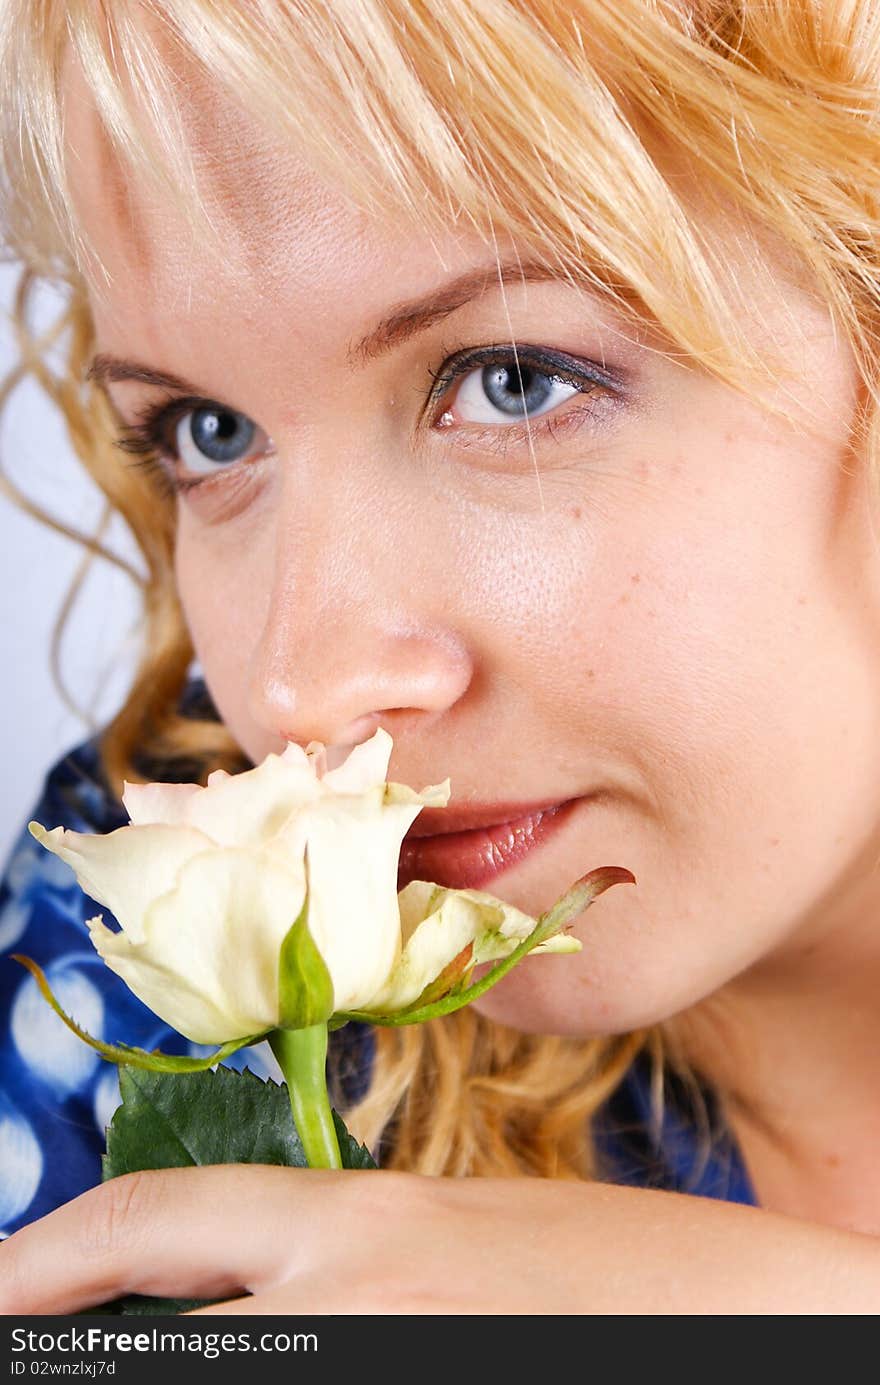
[(207, 883)]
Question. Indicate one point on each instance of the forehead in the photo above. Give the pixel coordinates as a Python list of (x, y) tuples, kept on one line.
[(289, 237), (302, 265)]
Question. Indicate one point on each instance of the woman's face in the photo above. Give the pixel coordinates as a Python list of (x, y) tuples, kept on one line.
[(665, 605)]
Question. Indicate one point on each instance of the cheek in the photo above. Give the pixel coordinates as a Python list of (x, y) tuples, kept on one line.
[(224, 594), (727, 666)]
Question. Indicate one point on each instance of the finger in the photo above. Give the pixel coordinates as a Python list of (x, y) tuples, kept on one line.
[(210, 1232)]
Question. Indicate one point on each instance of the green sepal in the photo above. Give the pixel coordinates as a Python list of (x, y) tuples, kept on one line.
[(305, 988), (557, 917), (125, 1054), (452, 980), (579, 897)]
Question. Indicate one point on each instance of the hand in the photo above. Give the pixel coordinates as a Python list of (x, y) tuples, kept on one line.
[(304, 1241)]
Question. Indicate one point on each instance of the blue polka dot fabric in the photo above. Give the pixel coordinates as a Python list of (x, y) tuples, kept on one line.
[(57, 1095)]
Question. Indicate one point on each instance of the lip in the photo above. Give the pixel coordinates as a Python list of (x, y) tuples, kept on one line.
[(478, 843), (438, 822)]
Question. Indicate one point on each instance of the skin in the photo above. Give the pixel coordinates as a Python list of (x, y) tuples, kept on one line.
[(680, 613)]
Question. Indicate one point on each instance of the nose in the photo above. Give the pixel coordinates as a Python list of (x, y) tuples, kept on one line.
[(349, 646), (340, 684)]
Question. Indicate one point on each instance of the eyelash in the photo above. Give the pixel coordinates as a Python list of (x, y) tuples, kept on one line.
[(149, 438)]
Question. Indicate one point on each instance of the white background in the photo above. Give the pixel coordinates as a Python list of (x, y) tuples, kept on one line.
[(37, 566)]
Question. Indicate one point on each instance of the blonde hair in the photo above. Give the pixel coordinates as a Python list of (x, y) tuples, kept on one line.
[(550, 123)]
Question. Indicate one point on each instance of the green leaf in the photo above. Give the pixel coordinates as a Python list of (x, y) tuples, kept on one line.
[(354, 1156), (305, 989), (178, 1120), (139, 1305)]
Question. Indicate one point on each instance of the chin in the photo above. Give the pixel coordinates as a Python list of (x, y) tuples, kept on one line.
[(592, 995)]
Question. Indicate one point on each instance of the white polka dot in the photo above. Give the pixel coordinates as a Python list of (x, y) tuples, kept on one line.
[(48, 1047), (31, 857), (107, 1097), (260, 1059), (21, 1164), (14, 919), (262, 1062)]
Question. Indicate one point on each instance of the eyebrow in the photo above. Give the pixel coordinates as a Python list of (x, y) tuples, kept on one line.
[(407, 319), (402, 323)]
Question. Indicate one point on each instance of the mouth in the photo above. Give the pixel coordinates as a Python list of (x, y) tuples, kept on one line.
[(475, 845)]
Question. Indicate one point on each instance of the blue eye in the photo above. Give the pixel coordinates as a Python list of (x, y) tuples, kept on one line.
[(501, 387), (515, 391), (195, 434), (210, 434)]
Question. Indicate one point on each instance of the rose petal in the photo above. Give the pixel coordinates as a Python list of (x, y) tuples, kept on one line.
[(167, 993), (365, 767), (501, 918), (448, 922), (152, 803), (238, 810), (434, 796), (208, 962), (354, 848), (293, 754), (125, 869)]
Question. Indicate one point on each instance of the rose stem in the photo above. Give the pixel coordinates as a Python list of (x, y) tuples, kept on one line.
[(302, 1057)]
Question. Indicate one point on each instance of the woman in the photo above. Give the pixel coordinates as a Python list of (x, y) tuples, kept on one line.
[(505, 376)]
